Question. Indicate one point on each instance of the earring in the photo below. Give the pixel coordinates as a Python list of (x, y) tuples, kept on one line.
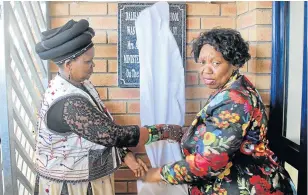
[(69, 75), (234, 72)]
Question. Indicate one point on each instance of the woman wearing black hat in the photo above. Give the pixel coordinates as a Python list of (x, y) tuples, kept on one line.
[(78, 145)]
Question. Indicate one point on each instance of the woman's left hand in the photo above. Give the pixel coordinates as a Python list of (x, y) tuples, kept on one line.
[(153, 175)]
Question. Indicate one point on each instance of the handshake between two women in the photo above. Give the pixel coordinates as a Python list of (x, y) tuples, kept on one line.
[(152, 134)]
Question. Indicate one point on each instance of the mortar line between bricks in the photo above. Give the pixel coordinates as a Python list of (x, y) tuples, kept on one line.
[(257, 74), (261, 58), (107, 7), (110, 73), (117, 100), (259, 42), (244, 28), (105, 44), (105, 58), (249, 11), (257, 25), (126, 105)]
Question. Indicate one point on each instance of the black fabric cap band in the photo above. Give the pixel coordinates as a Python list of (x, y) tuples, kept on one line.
[(66, 42)]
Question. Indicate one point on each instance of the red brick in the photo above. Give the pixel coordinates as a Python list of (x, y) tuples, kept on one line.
[(264, 16), (260, 33), (100, 65), (120, 187), (100, 37), (82, 8), (112, 37), (103, 22), (124, 174), (188, 50), (112, 8), (104, 79), (102, 92), (57, 22), (192, 65), (245, 34), (112, 66), (53, 67), (127, 119), (192, 78), (263, 81), (192, 106), (189, 119), (244, 68), (247, 19), (132, 187), (253, 50), (259, 65), (202, 9), (242, 7), (197, 92), (193, 22), (191, 35), (133, 107), (228, 9), (264, 50), (116, 106), (209, 23), (260, 4), (264, 65), (254, 17), (106, 51), (121, 93), (252, 68), (58, 9)]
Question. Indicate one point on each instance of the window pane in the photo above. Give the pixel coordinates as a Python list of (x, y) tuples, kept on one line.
[(295, 65)]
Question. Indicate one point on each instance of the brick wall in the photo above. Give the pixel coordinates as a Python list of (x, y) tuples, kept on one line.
[(253, 19)]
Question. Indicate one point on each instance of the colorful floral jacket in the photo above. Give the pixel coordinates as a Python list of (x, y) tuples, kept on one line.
[(225, 149)]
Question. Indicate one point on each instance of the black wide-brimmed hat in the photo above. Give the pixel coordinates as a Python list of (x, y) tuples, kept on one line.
[(66, 42)]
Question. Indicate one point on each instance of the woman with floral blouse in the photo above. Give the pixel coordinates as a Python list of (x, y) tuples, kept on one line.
[(225, 149)]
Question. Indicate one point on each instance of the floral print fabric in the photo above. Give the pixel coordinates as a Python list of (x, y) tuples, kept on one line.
[(225, 149)]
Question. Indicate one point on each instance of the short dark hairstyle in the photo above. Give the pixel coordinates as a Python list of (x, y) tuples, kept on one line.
[(228, 42)]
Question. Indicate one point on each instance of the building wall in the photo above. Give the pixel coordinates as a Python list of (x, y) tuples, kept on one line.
[(252, 19)]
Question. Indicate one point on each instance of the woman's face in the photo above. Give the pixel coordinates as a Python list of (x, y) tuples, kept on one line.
[(215, 71), (82, 67)]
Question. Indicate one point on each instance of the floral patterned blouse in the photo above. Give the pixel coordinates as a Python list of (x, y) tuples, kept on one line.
[(225, 149)]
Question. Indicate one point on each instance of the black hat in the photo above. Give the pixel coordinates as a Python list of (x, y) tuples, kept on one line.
[(66, 42)]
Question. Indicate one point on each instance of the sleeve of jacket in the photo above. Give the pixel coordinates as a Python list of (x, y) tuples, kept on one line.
[(217, 136)]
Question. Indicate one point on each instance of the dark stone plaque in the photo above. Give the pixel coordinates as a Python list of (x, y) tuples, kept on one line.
[(128, 56)]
